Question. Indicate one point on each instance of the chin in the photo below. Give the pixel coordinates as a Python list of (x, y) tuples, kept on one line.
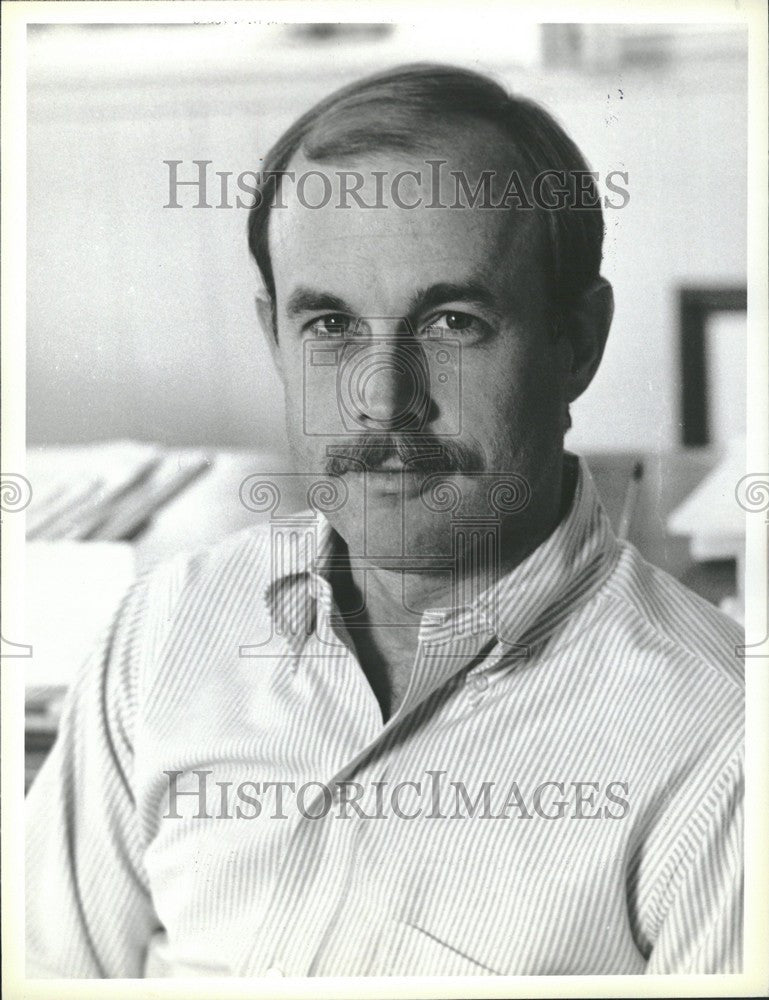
[(396, 535)]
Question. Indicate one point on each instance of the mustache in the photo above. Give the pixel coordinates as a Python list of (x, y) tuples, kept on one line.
[(423, 454)]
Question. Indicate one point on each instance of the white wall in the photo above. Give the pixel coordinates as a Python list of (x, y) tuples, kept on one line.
[(140, 318)]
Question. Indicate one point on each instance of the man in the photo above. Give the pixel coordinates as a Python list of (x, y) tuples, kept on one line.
[(440, 722)]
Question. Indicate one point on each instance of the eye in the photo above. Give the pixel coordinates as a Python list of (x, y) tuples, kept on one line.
[(331, 325), (456, 322)]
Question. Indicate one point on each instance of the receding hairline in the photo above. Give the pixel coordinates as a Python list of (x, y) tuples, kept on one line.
[(448, 146), (392, 111), (428, 131), (502, 157)]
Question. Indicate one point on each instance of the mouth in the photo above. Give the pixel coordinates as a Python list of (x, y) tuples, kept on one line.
[(393, 478), (393, 458), (390, 465)]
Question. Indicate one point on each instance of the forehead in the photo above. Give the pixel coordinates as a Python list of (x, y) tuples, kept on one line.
[(394, 247)]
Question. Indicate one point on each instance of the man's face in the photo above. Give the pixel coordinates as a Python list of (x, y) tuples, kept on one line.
[(425, 331)]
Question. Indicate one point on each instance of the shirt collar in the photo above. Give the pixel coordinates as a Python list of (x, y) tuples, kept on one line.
[(522, 607), (563, 571), (300, 550)]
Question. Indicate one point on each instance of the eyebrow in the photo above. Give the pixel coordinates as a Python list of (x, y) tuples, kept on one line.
[(304, 299), (464, 291)]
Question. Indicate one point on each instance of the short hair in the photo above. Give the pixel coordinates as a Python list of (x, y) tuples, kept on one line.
[(399, 110)]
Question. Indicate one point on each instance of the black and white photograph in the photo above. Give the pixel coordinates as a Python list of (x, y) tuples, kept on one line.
[(385, 501)]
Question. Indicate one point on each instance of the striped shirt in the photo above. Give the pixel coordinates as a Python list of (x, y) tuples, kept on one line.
[(559, 791)]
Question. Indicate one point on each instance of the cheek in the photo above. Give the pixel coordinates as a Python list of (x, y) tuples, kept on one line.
[(292, 377), (511, 393), (291, 367)]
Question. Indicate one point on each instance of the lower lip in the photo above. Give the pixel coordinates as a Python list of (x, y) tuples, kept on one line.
[(393, 482)]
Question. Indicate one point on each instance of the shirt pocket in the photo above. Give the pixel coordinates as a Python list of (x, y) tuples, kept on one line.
[(406, 949)]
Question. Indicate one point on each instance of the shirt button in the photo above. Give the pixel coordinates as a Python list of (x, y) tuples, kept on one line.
[(479, 682), (274, 972)]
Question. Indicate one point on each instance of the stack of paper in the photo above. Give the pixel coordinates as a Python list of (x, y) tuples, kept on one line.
[(105, 492)]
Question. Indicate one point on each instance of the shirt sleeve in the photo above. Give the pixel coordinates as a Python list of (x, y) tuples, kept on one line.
[(701, 931), (89, 912)]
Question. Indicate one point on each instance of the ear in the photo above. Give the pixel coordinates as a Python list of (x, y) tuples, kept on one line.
[(266, 315), (587, 328)]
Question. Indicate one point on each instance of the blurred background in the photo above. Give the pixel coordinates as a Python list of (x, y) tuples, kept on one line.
[(150, 394)]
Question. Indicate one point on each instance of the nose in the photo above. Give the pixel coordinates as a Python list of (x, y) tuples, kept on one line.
[(387, 385)]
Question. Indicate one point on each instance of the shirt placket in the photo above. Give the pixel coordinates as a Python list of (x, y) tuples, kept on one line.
[(319, 855), (311, 889), (445, 647)]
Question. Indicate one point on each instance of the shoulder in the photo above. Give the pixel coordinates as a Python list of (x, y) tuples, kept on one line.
[(243, 557), (191, 594), (247, 549), (670, 666), (681, 625)]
